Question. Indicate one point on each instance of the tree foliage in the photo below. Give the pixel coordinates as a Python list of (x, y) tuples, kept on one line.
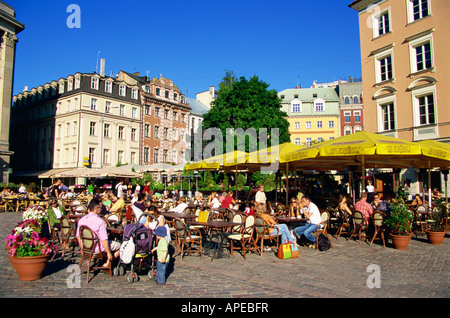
[(247, 104)]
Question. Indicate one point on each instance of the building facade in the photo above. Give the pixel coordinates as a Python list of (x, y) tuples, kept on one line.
[(82, 118), (313, 114), (9, 28), (165, 119), (351, 106), (404, 54)]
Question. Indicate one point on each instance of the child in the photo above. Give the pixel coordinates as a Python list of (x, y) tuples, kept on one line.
[(163, 256)]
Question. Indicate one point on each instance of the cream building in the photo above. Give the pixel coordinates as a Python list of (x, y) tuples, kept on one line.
[(81, 118)]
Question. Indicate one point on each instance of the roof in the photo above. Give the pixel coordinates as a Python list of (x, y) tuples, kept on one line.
[(309, 94), (197, 107)]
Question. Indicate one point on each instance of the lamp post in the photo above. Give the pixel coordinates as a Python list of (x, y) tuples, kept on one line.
[(196, 177)]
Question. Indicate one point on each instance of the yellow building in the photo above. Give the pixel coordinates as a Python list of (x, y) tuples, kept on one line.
[(405, 64), (313, 114)]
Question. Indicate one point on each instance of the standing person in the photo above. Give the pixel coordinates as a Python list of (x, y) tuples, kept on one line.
[(162, 252), (98, 226), (119, 190), (53, 191), (370, 191), (260, 196), (312, 214)]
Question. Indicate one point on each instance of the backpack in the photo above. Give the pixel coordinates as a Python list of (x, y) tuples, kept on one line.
[(324, 243)]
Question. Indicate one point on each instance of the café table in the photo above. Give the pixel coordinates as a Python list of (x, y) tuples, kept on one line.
[(291, 222), (116, 231), (175, 215), (219, 231)]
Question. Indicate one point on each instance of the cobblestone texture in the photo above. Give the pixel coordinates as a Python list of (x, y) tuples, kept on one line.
[(422, 271)]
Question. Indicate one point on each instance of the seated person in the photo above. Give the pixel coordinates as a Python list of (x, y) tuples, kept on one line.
[(417, 201), (139, 207), (343, 207), (229, 201), (180, 207), (294, 208), (93, 220), (364, 207), (118, 205), (436, 195), (378, 204), (276, 228), (213, 201), (54, 212), (251, 208)]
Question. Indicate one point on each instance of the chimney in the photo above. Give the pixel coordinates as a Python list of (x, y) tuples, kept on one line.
[(102, 67), (212, 91)]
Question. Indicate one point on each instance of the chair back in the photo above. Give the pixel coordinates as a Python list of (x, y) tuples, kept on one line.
[(237, 218), (378, 218), (358, 218), (89, 240), (66, 227), (249, 224), (259, 226), (180, 228)]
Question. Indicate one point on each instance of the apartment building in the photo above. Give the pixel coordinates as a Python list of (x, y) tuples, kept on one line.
[(351, 106), (84, 117), (165, 119), (313, 114), (404, 58)]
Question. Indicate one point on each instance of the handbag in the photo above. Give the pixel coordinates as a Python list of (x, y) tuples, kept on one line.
[(127, 250), (288, 250)]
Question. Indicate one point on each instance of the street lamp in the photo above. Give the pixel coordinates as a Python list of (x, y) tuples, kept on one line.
[(196, 177)]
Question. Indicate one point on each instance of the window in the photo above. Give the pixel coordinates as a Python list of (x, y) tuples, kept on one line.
[(347, 130), (69, 87), (357, 115), (296, 106), (381, 24), (155, 155), (91, 155), (384, 65), (156, 112), (385, 68), (147, 89), (146, 154), (157, 90), (94, 83), (61, 88), (319, 139), (297, 125), (423, 56), (147, 130), (77, 82), (165, 159), (156, 132), (122, 90), (134, 112), (331, 124), (297, 141), (183, 118), (347, 100), (107, 107), (347, 116), (120, 157), (133, 134), (166, 94), (308, 141), (165, 133), (174, 135), (175, 96), (106, 130), (319, 124), (134, 93), (174, 156), (147, 110), (166, 114), (108, 87), (75, 128), (93, 104), (121, 132), (418, 9), (388, 118), (106, 156), (308, 124), (175, 116), (421, 52), (92, 128), (355, 99), (122, 110), (426, 109), (319, 105)]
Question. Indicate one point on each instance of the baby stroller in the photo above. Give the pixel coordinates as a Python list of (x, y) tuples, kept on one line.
[(139, 253)]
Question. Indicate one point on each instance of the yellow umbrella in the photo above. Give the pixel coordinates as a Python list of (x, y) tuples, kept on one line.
[(228, 159)]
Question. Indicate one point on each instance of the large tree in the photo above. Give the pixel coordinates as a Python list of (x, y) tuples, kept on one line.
[(243, 105)]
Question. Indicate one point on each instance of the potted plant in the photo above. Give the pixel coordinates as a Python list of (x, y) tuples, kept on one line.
[(399, 224), (436, 232), (28, 248)]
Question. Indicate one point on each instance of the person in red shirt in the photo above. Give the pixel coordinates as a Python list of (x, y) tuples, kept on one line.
[(228, 201), (364, 207)]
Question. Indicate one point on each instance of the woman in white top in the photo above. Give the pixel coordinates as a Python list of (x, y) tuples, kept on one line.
[(370, 191), (214, 201)]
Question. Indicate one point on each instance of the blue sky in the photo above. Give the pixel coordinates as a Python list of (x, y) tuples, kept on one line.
[(192, 42)]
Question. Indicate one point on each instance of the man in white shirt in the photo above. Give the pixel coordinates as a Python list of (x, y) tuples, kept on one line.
[(260, 196), (180, 207), (312, 214)]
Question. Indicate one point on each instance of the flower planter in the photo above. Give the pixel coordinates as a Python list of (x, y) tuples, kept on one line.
[(435, 237), (401, 242), (30, 268)]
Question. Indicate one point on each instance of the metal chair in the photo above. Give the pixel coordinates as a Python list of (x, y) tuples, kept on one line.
[(185, 237), (378, 222), (323, 228), (244, 237)]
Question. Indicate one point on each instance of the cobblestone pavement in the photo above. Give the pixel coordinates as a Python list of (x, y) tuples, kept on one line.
[(422, 271)]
